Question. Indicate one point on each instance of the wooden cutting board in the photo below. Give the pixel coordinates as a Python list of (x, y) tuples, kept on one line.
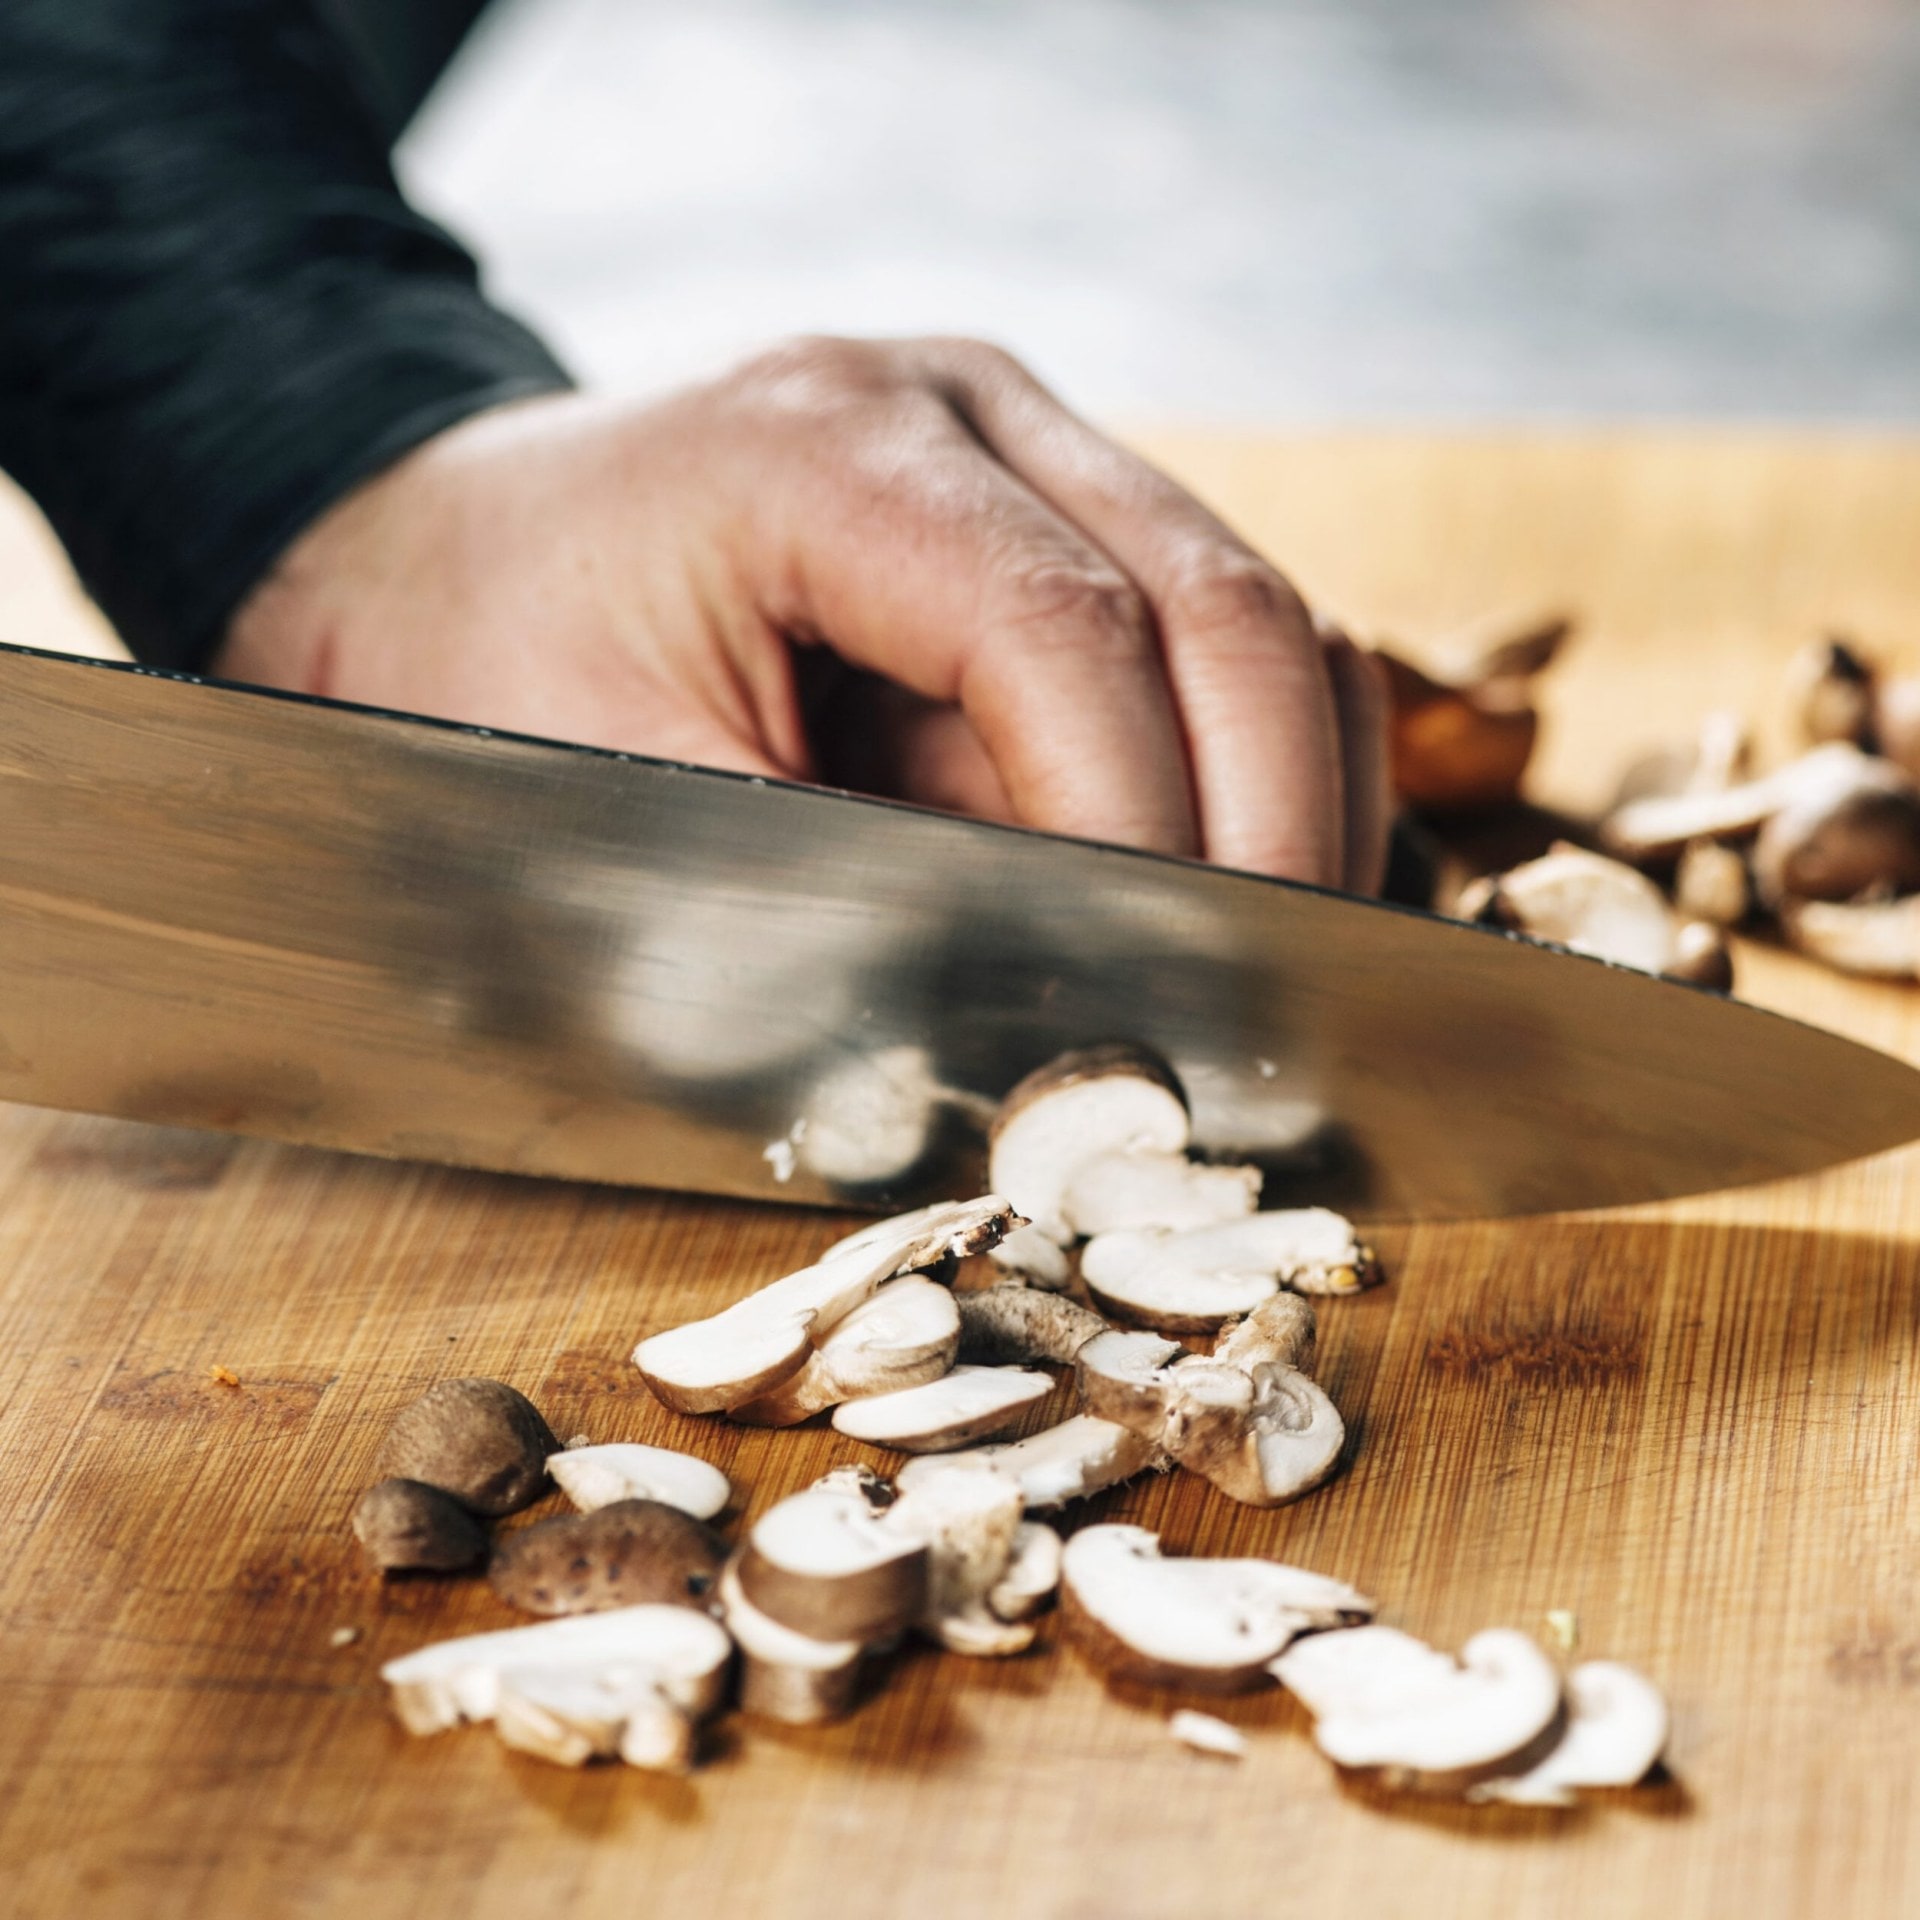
[(1692, 1426)]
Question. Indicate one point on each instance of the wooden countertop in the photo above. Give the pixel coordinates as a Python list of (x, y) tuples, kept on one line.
[(1694, 1426)]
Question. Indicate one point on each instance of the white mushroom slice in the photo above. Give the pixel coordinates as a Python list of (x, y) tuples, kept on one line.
[(1615, 1734), (1387, 1704), (1582, 901), (1126, 1377), (1282, 1332), (969, 1520), (1119, 1190), (1206, 1734), (1877, 938), (1214, 1624), (928, 1235), (593, 1477), (1012, 1323), (825, 1563), (1191, 1282), (744, 1352), (1038, 1261), (441, 1685), (787, 1676), (965, 1405), (1079, 1457), (571, 1715), (1032, 1576), (1100, 1100), (904, 1334)]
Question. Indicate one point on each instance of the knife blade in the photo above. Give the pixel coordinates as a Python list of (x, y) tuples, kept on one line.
[(267, 914)]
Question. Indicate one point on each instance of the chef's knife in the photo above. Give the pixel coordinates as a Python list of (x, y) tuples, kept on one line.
[(268, 914)]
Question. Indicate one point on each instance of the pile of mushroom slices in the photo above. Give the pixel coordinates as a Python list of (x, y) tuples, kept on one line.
[(1498, 1723), (1823, 850)]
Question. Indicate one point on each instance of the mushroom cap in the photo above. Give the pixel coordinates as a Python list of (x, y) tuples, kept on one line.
[(407, 1526), (687, 1652), (1095, 1101), (824, 1563), (1215, 1624), (1855, 828), (1116, 1190), (962, 1406), (596, 1476), (1615, 1733), (1386, 1703), (630, 1553), (481, 1441), (787, 1676)]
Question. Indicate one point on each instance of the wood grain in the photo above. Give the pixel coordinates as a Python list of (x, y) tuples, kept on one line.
[(1693, 1425)]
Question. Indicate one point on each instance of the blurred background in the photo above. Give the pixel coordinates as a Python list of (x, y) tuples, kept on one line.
[(1246, 212)]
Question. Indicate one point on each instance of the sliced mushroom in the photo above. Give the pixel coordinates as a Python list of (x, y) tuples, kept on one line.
[(441, 1685), (824, 1563), (1877, 938), (788, 1676), (869, 1118), (1831, 687), (904, 1334), (1615, 1734), (1712, 883), (593, 1477), (748, 1349), (1212, 1624), (1281, 1332), (1036, 1259), (1701, 957), (481, 1441), (1086, 1104), (1896, 723), (631, 1553), (1854, 829), (1079, 1457), (1205, 1733), (965, 1405), (1032, 1575), (571, 1715), (1389, 1705), (1012, 1324), (1582, 901), (1263, 1434), (968, 1520), (1463, 742), (407, 1526), (1193, 1282), (1119, 1190)]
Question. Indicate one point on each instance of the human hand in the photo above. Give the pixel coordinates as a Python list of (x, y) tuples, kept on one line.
[(901, 566)]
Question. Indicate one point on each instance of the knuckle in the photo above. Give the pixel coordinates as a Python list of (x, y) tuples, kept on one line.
[(1234, 598), (817, 374), (1085, 608)]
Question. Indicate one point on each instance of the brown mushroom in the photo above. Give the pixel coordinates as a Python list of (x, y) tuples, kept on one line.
[(631, 1553), (1854, 829), (409, 1527), (479, 1440), (823, 1563), (787, 1676)]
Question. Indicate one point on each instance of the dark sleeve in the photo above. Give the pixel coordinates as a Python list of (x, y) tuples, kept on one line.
[(217, 314)]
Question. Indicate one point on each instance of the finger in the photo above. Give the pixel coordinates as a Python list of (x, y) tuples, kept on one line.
[(1253, 687), (926, 561), (877, 737), (1360, 697)]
